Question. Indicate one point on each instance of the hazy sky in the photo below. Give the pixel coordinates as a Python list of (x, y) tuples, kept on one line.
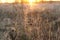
[(11, 1)]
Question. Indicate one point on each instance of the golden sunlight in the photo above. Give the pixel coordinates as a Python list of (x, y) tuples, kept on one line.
[(3, 1), (31, 2), (7, 1)]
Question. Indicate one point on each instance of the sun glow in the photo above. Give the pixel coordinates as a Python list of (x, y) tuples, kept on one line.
[(31, 2), (3, 1), (24, 1), (7, 1)]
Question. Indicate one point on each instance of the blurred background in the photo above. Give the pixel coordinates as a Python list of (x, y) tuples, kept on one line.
[(29, 19)]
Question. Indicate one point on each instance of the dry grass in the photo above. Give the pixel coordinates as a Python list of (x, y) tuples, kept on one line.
[(38, 24)]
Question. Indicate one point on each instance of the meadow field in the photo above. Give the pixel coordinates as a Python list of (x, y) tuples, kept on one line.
[(22, 22)]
